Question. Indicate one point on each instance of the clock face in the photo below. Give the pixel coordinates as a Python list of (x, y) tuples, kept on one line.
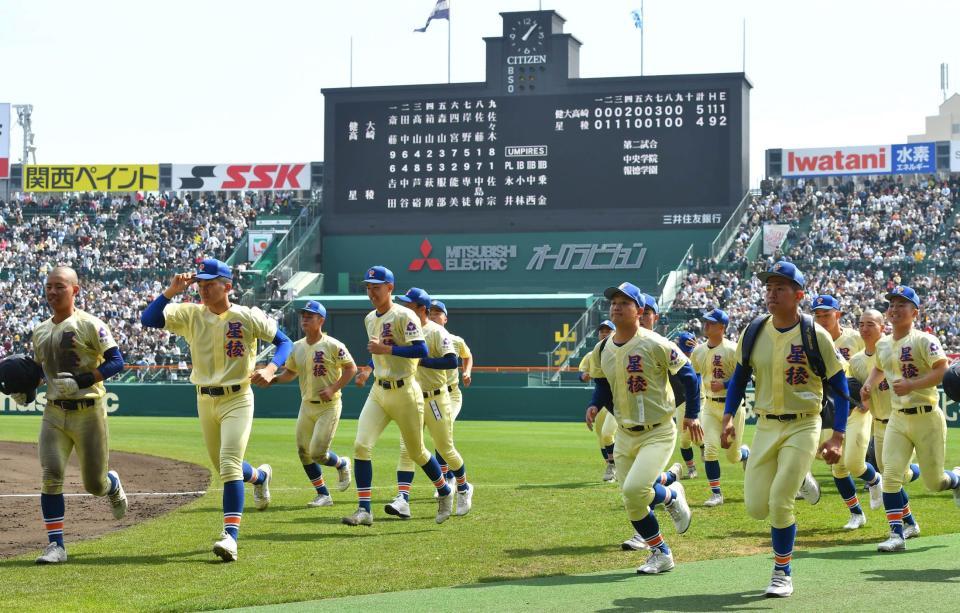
[(526, 36)]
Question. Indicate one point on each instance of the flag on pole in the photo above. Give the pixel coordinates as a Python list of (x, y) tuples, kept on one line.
[(637, 19), (440, 11)]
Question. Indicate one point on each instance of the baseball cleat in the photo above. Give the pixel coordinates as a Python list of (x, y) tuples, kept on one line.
[(322, 500), (360, 517), (657, 563), (465, 501), (679, 510), (398, 507), (444, 508), (691, 472), (745, 454), (715, 500), (894, 543), (857, 521), (781, 585), (876, 494), (810, 489), (344, 476), (911, 531), (226, 548), (676, 471), (53, 554), (118, 499), (609, 473), (956, 490), (634, 543), (261, 491)]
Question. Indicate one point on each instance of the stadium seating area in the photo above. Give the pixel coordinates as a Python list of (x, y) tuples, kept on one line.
[(856, 241)]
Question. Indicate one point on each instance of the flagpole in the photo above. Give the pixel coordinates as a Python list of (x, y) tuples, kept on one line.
[(351, 61), (642, 27), (449, 27), (744, 45)]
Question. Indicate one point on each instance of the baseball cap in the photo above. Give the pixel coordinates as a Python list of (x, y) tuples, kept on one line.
[(436, 304), (907, 293), (686, 341), (650, 302), (314, 307), (378, 274), (211, 269), (416, 296), (608, 324), (825, 302), (629, 290), (717, 316), (784, 269)]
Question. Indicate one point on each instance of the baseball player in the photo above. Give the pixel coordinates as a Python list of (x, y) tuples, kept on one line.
[(878, 408), (788, 399), (605, 425), (913, 363), (438, 314), (715, 361), (324, 366), (77, 353), (827, 313), (396, 344), (631, 370), (432, 375), (223, 344)]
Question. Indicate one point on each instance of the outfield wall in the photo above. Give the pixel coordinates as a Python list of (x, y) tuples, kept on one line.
[(510, 401)]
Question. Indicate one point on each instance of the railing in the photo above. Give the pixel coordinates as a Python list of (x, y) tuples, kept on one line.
[(570, 343), (290, 241), (674, 279), (720, 244)]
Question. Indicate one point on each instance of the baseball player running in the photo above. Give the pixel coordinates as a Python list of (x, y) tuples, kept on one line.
[(913, 362), (788, 398), (432, 375), (77, 354), (438, 314), (223, 344), (715, 361), (605, 425), (827, 313), (324, 366), (396, 344), (877, 411), (631, 370)]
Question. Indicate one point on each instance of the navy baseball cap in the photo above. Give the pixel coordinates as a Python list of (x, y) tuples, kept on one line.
[(378, 274), (717, 316), (687, 342), (784, 269), (606, 323), (211, 269), (416, 296), (629, 290), (314, 307), (826, 302), (907, 293), (436, 304), (650, 302)]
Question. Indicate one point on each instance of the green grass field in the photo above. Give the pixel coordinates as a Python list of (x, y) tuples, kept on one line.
[(540, 515)]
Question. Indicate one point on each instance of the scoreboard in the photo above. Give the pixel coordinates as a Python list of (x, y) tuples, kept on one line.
[(532, 149)]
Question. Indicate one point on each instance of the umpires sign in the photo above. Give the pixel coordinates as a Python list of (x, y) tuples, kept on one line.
[(224, 177)]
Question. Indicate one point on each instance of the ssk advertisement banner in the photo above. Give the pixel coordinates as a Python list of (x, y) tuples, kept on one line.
[(236, 177)]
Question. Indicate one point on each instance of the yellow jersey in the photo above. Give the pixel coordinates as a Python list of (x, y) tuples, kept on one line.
[(318, 365), (861, 365), (908, 358), (463, 352), (439, 344), (849, 343), (714, 364), (75, 345), (398, 326), (223, 347)]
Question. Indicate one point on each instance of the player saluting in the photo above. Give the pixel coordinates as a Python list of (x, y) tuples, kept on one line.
[(631, 369), (913, 363), (223, 343), (715, 361), (788, 397), (827, 313), (77, 353), (605, 424), (396, 343), (324, 366)]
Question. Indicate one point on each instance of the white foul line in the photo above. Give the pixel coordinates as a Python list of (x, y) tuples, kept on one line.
[(197, 493)]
